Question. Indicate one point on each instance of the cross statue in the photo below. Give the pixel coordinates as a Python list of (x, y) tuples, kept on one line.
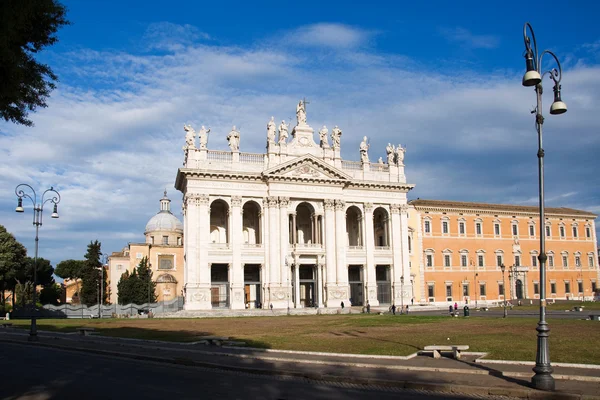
[(305, 103)]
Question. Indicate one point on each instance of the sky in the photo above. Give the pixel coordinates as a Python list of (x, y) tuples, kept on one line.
[(442, 79)]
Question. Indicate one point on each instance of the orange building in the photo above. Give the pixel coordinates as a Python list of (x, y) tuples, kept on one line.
[(457, 249)]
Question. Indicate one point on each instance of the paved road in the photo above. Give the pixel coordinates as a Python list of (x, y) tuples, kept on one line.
[(30, 372)]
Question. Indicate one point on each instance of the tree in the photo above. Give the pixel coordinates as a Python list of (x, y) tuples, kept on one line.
[(137, 287), (24, 278), (51, 294), (26, 28), (13, 260), (90, 275), (70, 269)]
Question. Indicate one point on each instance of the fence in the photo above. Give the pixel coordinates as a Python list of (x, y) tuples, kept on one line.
[(83, 311)]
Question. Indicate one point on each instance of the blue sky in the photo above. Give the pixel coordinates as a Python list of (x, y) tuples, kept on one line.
[(443, 80)]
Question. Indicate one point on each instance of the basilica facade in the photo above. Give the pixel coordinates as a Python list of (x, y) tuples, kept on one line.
[(294, 227)]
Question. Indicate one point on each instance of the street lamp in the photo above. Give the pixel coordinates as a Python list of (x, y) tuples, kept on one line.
[(542, 379), (38, 209), (402, 294), (503, 268), (476, 275)]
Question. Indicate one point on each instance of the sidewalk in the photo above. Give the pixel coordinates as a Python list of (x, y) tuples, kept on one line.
[(419, 372)]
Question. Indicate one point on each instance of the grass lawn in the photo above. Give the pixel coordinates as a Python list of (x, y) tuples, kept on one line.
[(573, 341)]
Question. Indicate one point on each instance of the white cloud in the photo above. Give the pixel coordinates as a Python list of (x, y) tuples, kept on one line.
[(468, 39), (111, 143), (329, 35)]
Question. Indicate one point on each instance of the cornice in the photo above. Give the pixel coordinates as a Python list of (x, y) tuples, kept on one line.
[(492, 212)]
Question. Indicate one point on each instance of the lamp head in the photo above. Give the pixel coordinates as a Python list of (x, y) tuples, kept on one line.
[(532, 76), (55, 211), (558, 106), (19, 205), (502, 268)]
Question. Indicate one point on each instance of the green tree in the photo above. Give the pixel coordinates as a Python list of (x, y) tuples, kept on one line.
[(90, 275), (51, 294), (26, 28), (137, 287), (71, 269), (13, 260)]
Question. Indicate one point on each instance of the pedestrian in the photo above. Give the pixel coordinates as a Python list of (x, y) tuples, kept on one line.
[(393, 309), (412, 301), (342, 305), (450, 309), (368, 308), (455, 306), (407, 309)]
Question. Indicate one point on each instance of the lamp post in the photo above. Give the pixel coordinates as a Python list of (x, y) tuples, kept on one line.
[(542, 379), (402, 294), (476, 275), (503, 268), (38, 209)]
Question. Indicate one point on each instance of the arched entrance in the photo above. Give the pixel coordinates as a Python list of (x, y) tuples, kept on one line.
[(519, 289)]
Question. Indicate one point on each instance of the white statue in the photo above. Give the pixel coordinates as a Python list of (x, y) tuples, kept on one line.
[(364, 148), (271, 131), (234, 139), (336, 134), (380, 161), (203, 135), (323, 136), (283, 132), (301, 113), (400, 154), (190, 137), (391, 153)]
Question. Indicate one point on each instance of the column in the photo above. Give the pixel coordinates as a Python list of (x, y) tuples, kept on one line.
[(277, 296), (405, 258), (340, 240), (284, 242), (294, 230), (330, 260), (237, 268), (369, 248), (266, 269), (397, 272), (320, 285), (197, 222), (315, 229), (297, 285)]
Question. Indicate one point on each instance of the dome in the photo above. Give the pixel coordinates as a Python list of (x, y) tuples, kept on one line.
[(164, 221)]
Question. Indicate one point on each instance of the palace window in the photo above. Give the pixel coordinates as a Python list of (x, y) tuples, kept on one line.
[(567, 287), (500, 289), (552, 287), (429, 260), (517, 260), (482, 289), (547, 230), (580, 286), (427, 226), (591, 261), (445, 227), (480, 260), (588, 232), (515, 229), (478, 228), (448, 290), (561, 229), (536, 288), (461, 228), (465, 289), (463, 260), (551, 261), (165, 240), (497, 229), (565, 260), (574, 231), (594, 287), (447, 260), (532, 230), (533, 260), (578, 261), (498, 260), (431, 290)]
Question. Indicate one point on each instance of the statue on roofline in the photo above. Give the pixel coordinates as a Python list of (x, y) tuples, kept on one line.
[(234, 139), (190, 137)]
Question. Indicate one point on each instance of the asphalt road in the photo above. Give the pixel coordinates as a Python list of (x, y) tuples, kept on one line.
[(32, 372)]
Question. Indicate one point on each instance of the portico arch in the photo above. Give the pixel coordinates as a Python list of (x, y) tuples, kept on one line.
[(381, 227), (251, 222), (354, 221), (219, 222)]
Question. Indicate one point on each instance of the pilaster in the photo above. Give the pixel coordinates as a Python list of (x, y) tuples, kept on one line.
[(330, 245), (237, 269), (197, 290), (340, 236), (369, 245), (284, 240)]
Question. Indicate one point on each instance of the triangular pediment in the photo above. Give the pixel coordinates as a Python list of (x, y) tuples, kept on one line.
[(307, 167)]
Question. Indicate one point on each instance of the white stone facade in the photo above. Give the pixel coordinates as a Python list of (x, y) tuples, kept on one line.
[(295, 227)]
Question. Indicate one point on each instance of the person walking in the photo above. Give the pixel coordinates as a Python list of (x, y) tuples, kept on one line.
[(407, 309), (455, 306), (368, 308), (393, 309)]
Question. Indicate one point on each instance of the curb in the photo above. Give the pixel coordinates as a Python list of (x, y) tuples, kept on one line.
[(412, 385)]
